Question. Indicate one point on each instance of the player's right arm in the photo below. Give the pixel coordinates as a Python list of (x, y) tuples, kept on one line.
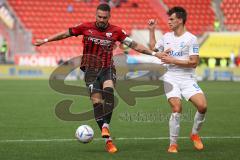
[(151, 26), (156, 46), (73, 31), (56, 37)]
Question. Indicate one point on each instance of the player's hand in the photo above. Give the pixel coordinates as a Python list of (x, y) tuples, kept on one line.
[(162, 54), (167, 59), (152, 24), (39, 42)]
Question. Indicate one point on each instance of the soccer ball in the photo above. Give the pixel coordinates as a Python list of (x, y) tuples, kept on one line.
[(84, 134)]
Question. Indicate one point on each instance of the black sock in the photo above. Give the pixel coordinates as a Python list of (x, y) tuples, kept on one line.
[(99, 114), (108, 103)]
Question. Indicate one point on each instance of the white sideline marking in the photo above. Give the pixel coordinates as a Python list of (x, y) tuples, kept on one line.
[(98, 139)]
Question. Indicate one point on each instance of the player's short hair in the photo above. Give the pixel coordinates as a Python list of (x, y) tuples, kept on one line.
[(180, 13), (104, 7)]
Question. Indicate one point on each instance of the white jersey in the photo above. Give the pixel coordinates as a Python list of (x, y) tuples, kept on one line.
[(182, 47)]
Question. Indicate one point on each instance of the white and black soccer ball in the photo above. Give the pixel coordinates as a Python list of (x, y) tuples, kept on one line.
[(84, 133)]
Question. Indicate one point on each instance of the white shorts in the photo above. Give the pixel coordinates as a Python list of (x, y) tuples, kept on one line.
[(180, 86)]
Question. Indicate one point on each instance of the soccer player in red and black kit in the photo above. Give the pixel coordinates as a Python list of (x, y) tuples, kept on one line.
[(99, 39)]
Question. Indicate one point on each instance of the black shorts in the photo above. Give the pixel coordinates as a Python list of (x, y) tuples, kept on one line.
[(94, 78)]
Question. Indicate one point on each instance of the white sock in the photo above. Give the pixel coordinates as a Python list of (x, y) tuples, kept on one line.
[(105, 125), (198, 121), (174, 127), (108, 139)]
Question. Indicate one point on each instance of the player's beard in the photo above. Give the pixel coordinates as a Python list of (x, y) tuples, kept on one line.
[(102, 26)]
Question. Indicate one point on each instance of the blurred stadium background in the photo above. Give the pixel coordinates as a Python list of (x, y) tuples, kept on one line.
[(27, 106)]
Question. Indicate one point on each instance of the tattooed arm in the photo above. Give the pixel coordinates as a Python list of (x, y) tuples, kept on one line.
[(142, 49)]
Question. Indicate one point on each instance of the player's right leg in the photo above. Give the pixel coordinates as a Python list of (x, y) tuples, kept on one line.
[(93, 84), (173, 94), (174, 123)]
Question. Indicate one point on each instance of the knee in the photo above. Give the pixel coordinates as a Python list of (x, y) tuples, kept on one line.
[(108, 91), (96, 100), (108, 94), (202, 107), (176, 108), (175, 104)]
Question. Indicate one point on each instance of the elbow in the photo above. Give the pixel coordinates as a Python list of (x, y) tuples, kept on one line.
[(151, 47), (194, 65)]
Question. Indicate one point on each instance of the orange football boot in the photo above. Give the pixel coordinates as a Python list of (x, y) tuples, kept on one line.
[(105, 132), (197, 142), (173, 148), (110, 147)]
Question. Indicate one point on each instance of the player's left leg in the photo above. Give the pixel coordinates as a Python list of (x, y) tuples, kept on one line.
[(108, 96), (193, 93), (98, 108), (200, 103)]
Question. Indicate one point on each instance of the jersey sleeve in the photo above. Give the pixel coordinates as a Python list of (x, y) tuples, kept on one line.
[(121, 35), (76, 30), (160, 45), (194, 47)]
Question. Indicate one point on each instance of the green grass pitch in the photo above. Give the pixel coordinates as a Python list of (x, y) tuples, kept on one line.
[(27, 113)]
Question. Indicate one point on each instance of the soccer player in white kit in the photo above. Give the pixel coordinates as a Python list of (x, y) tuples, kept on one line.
[(182, 59)]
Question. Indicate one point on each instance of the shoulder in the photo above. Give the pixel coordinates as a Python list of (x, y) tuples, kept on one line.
[(111, 26), (85, 25), (168, 34), (118, 30), (191, 36)]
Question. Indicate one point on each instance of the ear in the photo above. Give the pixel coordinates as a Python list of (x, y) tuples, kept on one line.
[(180, 20)]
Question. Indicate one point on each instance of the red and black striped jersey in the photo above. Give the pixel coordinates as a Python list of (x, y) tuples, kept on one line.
[(98, 45)]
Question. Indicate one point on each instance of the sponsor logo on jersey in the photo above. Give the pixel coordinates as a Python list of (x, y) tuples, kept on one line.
[(109, 34), (176, 54), (102, 42)]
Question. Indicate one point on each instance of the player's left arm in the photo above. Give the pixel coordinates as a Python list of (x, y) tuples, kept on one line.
[(192, 62), (142, 49), (123, 38)]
